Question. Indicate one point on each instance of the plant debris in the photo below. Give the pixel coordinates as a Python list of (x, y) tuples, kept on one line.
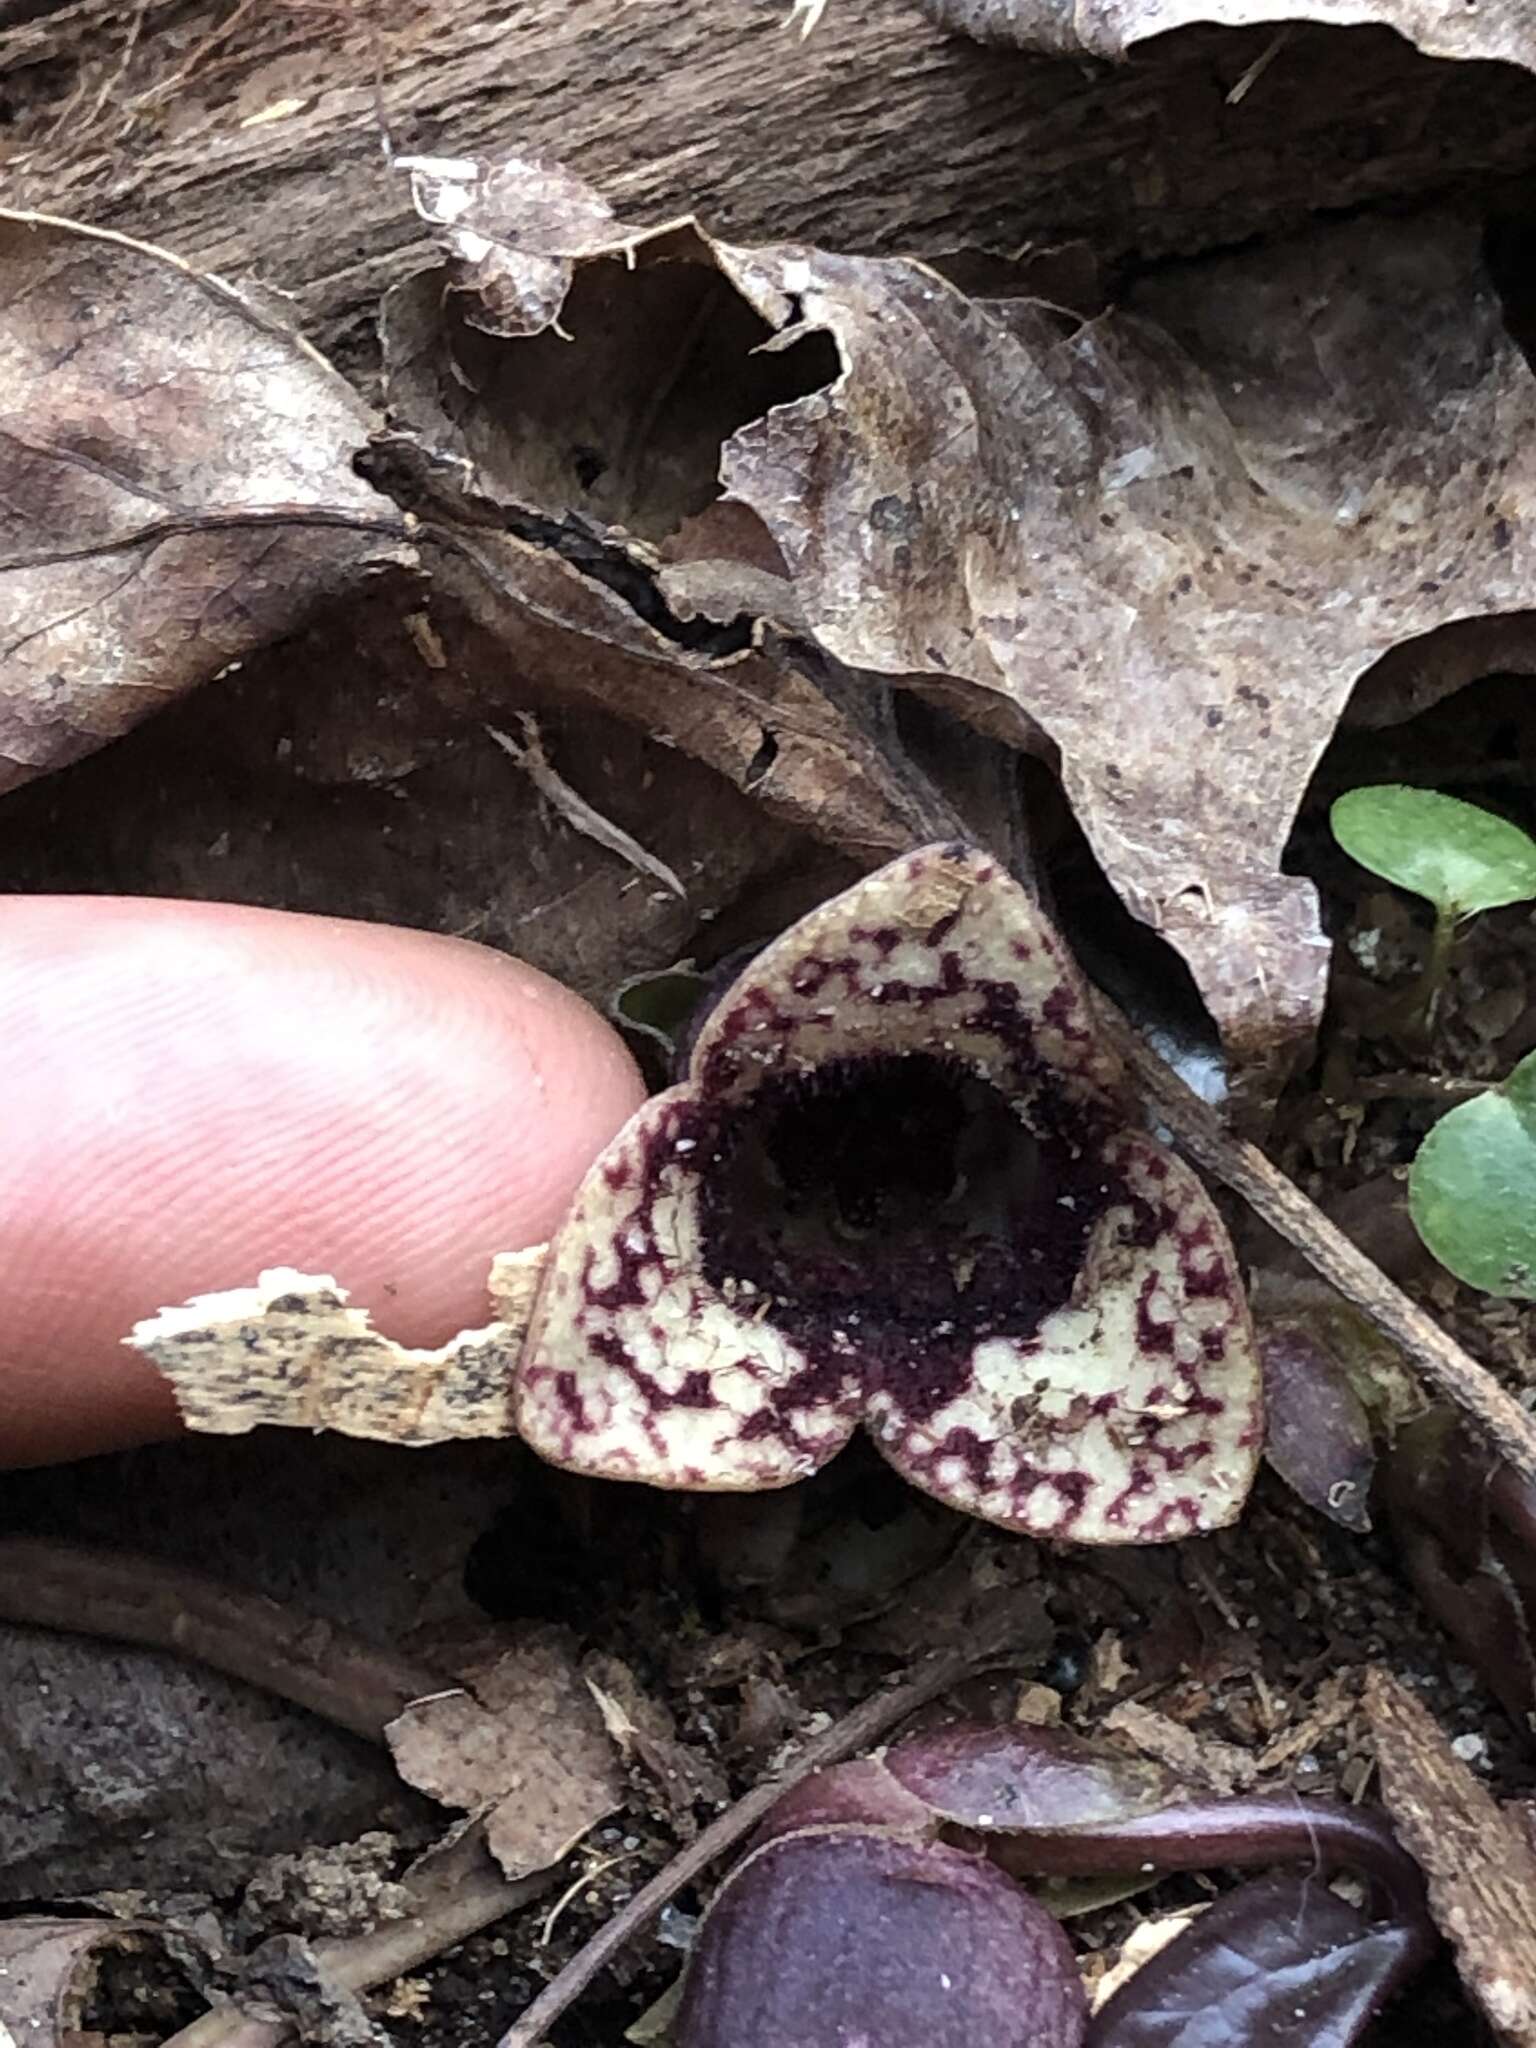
[(290, 1351), (1477, 1858), (520, 1748), (1210, 507)]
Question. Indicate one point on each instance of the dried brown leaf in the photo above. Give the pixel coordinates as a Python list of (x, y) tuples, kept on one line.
[(175, 485), (570, 479), (1477, 1859), (1213, 509), (47, 1973), (749, 713), (1204, 1760), (1176, 535), (524, 1747), (1108, 28)]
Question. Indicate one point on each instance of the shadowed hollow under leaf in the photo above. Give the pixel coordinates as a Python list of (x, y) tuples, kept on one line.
[(901, 1186)]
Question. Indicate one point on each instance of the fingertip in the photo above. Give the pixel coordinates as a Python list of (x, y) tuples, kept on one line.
[(204, 1090)]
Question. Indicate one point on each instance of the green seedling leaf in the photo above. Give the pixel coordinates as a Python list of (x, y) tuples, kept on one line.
[(1461, 857), (1472, 1189), (659, 1003)]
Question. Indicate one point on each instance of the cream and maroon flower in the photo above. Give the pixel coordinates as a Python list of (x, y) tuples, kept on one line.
[(902, 1186)]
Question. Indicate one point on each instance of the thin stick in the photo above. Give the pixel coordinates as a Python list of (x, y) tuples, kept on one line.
[(130, 1599), (865, 1724), (1415, 1088), (449, 1902), (1282, 1205)]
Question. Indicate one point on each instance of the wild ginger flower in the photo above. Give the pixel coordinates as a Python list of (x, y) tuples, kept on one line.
[(902, 1186)]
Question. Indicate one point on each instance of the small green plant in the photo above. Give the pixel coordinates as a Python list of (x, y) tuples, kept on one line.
[(1460, 857), (1472, 1188)]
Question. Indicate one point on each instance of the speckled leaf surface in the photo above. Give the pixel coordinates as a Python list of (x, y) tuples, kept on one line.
[(900, 1186), (1177, 536)]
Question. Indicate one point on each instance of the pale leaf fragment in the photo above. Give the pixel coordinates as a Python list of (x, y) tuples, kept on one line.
[(290, 1352), (523, 1746)]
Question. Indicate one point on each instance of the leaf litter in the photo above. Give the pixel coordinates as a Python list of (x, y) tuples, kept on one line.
[(863, 543)]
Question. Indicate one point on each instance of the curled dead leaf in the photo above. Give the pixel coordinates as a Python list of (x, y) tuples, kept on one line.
[(47, 1973), (176, 485)]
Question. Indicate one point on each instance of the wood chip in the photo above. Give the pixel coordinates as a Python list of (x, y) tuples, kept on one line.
[(1477, 1858), (1219, 1766)]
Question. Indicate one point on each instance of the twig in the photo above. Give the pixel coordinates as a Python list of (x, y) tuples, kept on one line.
[(161, 91), (585, 818), (1257, 68), (1417, 1088), (130, 1599), (865, 1724), (449, 1902), (1282, 1205)]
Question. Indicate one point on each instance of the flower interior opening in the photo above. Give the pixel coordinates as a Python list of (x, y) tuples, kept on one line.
[(901, 1191)]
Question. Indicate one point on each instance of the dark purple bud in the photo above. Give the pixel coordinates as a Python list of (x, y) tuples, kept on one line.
[(844, 1939), (1279, 1962), (1318, 1435)]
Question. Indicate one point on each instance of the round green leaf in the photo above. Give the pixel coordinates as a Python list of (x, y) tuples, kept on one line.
[(1472, 1190), (1460, 856)]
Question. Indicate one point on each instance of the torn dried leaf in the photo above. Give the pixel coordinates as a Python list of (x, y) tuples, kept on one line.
[(745, 710), (1110, 28), (290, 1352), (1214, 509), (522, 1746), (901, 1186), (176, 484), (570, 482)]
